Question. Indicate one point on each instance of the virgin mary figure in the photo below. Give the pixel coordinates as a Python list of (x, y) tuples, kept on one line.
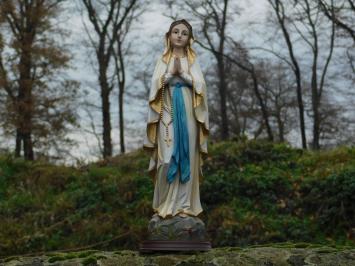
[(177, 126)]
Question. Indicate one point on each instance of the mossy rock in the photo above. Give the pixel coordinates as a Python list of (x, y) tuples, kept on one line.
[(267, 255)]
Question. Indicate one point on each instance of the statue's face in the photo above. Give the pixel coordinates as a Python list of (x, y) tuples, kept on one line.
[(179, 35)]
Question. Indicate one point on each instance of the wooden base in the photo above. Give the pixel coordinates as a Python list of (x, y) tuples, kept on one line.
[(174, 245)]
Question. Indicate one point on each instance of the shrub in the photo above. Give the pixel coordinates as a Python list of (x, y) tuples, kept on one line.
[(332, 199)]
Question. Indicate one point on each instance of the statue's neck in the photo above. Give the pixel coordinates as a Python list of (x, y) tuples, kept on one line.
[(179, 51)]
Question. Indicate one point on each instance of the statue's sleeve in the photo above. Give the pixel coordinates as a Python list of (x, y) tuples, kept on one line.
[(167, 77), (200, 105), (186, 77), (154, 107), (156, 83)]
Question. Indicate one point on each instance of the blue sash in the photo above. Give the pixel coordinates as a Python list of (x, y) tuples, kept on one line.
[(180, 158)]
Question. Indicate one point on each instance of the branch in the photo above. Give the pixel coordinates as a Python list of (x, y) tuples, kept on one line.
[(332, 39), (3, 76), (284, 59), (332, 17)]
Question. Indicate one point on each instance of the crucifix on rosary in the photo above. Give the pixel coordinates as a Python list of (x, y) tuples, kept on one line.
[(168, 139)]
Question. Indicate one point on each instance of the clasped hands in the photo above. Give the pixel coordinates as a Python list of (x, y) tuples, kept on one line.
[(177, 70)]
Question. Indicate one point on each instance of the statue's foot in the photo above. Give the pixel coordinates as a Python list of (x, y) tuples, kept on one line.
[(155, 214), (181, 214)]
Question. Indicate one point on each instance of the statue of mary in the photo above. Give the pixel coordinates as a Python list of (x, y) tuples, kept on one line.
[(177, 126)]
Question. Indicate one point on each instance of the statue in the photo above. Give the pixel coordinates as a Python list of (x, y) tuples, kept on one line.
[(177, 132)]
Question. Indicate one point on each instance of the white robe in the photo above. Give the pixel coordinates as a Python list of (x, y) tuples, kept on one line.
[(172, 199)]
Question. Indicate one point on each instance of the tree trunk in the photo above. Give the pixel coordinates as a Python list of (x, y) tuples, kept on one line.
[(301, 108), (18, 143), (223, 102), (262, 105), (27, 146), (315, 107), (279, 10), (25, 103), (106, 120), (121, 76), (121, 119), (280, 126)]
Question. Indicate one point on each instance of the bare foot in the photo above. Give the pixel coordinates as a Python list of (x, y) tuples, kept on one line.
[(181, 214)]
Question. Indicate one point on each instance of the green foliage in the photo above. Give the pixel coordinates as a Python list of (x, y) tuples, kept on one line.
[(253, 192), (232, 155), (90, 261), (332, 199), (259, 171)]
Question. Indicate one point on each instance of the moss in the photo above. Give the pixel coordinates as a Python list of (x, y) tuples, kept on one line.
[(326, 250), (231, 249), (301, 245), (11, 258), (56, 258), (86, 253), (90, 260), (166, 260), (70, 256)]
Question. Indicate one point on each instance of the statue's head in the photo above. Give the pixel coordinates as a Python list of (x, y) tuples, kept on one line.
[(179, 35)]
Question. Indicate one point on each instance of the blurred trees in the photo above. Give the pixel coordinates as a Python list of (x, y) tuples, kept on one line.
[(304, 44), (317, 50), (111, 21), (307, 16), (37, 103), (341, 13)]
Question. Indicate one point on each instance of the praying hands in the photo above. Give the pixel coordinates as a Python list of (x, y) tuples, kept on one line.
[(177, 70)]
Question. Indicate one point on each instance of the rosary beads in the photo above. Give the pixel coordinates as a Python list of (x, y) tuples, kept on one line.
[(163, 106)]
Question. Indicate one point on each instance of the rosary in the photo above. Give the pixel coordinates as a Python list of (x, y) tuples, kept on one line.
[(166, 139)]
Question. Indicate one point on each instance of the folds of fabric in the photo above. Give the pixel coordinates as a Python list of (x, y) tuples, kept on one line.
[(180, 158), (200, 110)]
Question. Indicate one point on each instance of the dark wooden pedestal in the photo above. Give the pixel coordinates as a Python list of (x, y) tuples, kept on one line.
[(173, 245)]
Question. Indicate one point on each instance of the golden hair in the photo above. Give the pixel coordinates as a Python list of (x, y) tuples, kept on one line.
[(191, 55)]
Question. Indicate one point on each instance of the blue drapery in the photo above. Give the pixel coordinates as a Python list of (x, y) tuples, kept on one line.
[(180, 158)]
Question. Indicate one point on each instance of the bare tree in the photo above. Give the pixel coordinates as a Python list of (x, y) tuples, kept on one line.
[(244, 63), (110, 20), (279, 93), (120, 69), (214, 17), (341, 13), (337, 128), (245, 91), (279, 9)]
